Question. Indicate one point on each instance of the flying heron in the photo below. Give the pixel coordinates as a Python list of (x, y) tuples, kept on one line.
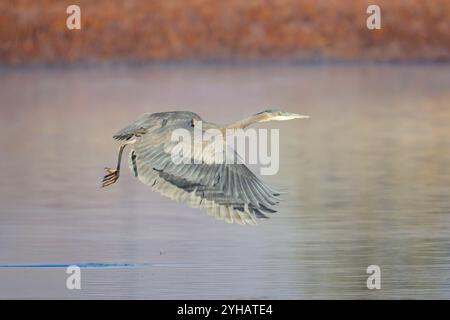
[(230, 192)]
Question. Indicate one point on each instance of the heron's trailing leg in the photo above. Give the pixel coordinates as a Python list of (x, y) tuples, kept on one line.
[(113, 174)]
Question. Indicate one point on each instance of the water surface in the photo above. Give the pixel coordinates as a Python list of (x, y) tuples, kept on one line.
[(368, 179)]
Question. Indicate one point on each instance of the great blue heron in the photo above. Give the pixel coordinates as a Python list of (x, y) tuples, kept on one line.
[(230, 192)]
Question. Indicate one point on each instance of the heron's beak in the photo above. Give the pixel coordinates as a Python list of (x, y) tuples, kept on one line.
[(300, 116), (291, 116)]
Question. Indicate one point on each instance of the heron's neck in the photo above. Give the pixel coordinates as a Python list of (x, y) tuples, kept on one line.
[(241, 124)]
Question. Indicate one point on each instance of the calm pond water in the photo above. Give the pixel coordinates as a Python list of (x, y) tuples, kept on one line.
[(368, 180)]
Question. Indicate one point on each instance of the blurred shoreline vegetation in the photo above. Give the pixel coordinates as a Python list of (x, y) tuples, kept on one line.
[(34, 32)]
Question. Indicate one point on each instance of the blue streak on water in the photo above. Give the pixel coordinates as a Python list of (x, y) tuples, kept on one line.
[(84, 265)]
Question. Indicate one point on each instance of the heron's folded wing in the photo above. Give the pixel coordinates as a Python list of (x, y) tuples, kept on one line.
[(137, 128), (228, 191)]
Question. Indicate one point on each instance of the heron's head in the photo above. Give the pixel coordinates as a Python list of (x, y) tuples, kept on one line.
[(279, 115)]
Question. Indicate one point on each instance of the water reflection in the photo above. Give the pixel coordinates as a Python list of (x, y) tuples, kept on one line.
[(368, 179)]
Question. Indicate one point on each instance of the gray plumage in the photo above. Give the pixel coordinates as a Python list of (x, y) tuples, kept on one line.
[(230, 192)]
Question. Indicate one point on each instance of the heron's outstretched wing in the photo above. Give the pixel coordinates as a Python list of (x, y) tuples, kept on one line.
[(230, 192)]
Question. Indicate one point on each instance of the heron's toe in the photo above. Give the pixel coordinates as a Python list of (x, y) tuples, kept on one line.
[(111, 177), (110, 170)]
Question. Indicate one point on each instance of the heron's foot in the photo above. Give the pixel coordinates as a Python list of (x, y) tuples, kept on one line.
[(111, 177)]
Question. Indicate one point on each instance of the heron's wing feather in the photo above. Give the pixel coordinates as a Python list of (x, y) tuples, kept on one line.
[(148, 122), (136, 128), (230, 192)]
